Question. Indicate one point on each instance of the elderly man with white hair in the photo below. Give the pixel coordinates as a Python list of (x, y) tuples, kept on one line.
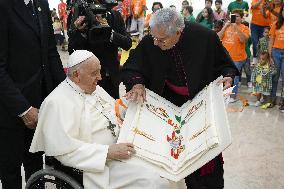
[(176, 61), (78, 127)]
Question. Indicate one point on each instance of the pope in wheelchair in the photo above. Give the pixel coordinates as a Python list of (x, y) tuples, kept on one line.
[(79, 128)]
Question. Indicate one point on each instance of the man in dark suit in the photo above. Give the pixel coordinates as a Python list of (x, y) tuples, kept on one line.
[(177, 61), (30, 68), (105, 49)]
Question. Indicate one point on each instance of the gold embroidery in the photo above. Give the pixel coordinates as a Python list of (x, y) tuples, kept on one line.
[(142, 133)]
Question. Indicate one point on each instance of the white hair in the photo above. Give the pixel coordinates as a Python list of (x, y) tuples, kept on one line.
[(168, 18)]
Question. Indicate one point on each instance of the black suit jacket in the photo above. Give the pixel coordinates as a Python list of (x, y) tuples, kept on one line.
[(203, 56), (30, 65), (107, 53)]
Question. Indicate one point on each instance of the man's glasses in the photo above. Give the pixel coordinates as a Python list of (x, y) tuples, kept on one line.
[(162, 41)]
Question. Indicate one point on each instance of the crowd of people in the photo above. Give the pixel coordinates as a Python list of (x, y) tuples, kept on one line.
[(177, 55), (238, 38)]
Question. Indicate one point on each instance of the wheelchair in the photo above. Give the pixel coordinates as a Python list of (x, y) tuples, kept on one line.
[(56, 176)]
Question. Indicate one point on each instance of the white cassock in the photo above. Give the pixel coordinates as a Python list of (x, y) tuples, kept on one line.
[(72, 127)]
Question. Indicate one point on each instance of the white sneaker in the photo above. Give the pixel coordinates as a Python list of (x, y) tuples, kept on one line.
[(249, 84), (257, 103)]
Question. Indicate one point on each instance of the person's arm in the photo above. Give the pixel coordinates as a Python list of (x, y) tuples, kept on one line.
[(136, 73), (256, 4), (136, 70), (221, 33), (120, 37), (77, 38), (243, 35), (272, 11), (264, 10), (67, 144), (270, 45), (54, 61), (271, 38), (11, 97)]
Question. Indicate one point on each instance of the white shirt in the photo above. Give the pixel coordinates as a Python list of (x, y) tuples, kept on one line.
[(27, 1)]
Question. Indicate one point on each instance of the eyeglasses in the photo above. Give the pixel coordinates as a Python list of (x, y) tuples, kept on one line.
[(163, 40)]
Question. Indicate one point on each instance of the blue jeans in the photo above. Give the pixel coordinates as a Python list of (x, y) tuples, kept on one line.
[(256, 34), (278, 58), (247, 70), (239, 66)]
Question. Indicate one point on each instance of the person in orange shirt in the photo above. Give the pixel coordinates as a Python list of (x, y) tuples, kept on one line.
[(259, 21), (137, 9), (62, 11), (234, 37), (276, 50), (156, 6), (273, 10)]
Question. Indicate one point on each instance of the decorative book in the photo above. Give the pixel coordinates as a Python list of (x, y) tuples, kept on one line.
[(176, 141)]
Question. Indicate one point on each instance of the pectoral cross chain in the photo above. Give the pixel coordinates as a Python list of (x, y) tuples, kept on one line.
[(111, 127)]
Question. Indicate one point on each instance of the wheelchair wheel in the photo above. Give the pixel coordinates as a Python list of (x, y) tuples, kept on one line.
[(51, 179)]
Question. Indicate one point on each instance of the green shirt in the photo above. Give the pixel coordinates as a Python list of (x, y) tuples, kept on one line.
[(238, 5), (189, 18), (206, 23)]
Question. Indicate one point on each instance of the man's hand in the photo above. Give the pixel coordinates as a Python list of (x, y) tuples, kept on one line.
[(136, 94), (30, 118), (227, 82), (101, 20), (120, 151), (79, 23)]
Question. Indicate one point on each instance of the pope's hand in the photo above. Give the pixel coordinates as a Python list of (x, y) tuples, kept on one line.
[(136, 94), (120, 151), (227, 82), (30, 118)]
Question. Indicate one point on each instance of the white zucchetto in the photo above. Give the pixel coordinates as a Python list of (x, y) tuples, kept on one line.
[(78, 57)]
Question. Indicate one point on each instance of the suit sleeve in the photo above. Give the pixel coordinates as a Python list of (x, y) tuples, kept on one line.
[(224, 64), (120, 37), (10, 95), (54, 61), (136, 70)]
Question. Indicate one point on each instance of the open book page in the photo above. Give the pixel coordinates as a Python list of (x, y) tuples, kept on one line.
[(177, 140)]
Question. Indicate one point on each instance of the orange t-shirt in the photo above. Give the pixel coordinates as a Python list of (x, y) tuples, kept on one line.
[(257, 18), (232, 43), (137, 7), (278, 36)]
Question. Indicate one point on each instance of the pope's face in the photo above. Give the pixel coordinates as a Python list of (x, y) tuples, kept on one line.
[(89, 74)]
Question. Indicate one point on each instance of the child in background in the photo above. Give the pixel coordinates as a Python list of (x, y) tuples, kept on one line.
[(262, 79), (187, 14), (207, 18), (263, 42), (57, 27)]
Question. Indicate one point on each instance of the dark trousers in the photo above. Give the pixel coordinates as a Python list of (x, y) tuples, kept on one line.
[(256, 34), (14, 146), (212, 180)]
